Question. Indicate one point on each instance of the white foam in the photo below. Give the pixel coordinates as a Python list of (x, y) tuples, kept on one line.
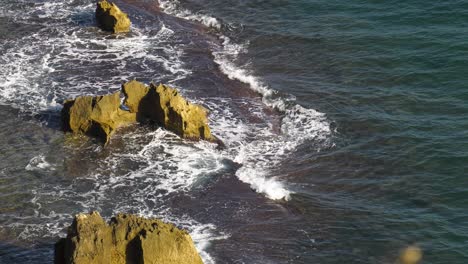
[(173, 7), (263, 150), (271, 187), (202, 234), (177, 165), (266, 150), (39, 163), (165, 163), (30, 68), (257, 147)]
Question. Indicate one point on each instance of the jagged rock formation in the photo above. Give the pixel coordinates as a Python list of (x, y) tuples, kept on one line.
[(111, 18), (100, 116), (127, 239), (95, 116), (168, 108)]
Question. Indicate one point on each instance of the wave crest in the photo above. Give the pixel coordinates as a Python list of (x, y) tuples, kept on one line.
[(267, 150)]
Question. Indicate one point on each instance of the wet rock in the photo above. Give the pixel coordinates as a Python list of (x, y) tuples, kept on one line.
[(135, 92), (168, 108), (100, 116), (125, 239), (96, 116), (111, 18), (178, 115)]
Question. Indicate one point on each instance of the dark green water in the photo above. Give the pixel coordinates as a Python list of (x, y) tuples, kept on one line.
[(383, 167)]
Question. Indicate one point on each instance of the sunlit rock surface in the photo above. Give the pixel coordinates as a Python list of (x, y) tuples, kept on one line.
[(125, 239)]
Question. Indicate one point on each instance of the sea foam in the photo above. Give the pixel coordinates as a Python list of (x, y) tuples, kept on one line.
[(64, 59), (174, 8), (38, 73), (265, 150)]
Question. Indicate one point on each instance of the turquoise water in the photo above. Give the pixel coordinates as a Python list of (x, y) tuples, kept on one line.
[(344, 124)]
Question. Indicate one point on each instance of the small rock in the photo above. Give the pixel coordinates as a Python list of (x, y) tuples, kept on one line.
[(111, 18)]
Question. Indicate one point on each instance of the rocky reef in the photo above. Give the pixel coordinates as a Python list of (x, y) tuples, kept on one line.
[(126, 239), (111, 18), (100, 116)]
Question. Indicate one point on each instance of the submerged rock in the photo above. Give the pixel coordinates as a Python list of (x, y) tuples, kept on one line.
[(100, 116), (96, 116), (411, 255), (111, 18), (126, 239)]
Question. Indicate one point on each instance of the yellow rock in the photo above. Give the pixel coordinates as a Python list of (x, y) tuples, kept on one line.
[(165, 106), (111, 18), (126, 239), (100, 116), (96, 116), (178, 115), (134, 93)]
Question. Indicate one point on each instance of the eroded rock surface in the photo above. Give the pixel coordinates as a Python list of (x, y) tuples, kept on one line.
[(125, 239), (97, 116), (111, 18), (164, 105), (100, 116)]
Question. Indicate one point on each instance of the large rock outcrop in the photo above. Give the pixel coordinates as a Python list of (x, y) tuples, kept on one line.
[(100, 116), (111, 18), (126, 239)]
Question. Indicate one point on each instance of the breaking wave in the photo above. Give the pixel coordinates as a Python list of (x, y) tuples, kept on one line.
[(267, 149)]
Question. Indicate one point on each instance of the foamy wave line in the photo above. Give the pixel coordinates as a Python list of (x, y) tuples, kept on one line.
[(272, 188), (173, 8), (298, 124), (234, 72)]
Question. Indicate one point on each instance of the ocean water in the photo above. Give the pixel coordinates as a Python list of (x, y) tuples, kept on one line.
[(343, 124)]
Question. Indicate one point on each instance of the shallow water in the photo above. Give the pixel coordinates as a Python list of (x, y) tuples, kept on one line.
[(343, 124)]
